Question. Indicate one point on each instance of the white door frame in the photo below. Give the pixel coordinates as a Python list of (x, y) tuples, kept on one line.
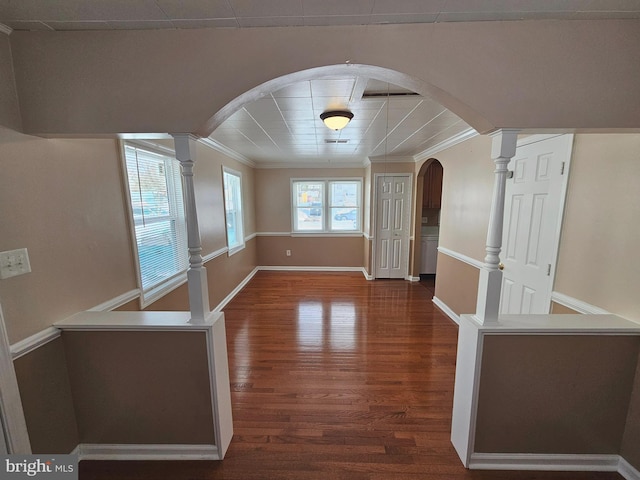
[(562, 202), (12, 419), (374, 216)]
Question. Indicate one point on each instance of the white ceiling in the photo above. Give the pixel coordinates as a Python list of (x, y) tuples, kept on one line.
[(284, 127)]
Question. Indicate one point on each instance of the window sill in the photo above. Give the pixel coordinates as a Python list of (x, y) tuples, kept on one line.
[(157, 292), (234, 250)]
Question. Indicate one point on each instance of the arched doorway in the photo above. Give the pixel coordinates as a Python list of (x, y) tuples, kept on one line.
[(428, 207)]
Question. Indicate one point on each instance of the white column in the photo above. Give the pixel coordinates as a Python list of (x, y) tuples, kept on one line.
[(197, 273), (503, 148)]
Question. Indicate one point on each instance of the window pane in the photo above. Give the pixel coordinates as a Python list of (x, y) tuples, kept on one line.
[(309, 200), (345, 205), (345, 219), (345, 194), (233, 209), (155, 191)]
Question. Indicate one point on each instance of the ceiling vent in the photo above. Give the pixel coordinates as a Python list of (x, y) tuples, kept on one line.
[(388, 94), (336, 142)]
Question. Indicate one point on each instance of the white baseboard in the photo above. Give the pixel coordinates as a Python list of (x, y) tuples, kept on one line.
[(446, 310), (527, 461), (628, 471), (92, 451), (235, 291), (413, 279)]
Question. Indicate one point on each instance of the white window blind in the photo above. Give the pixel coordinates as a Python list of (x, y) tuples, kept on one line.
[(233, 209), (155, 190)]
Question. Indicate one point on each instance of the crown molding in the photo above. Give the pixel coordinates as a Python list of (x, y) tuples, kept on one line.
[(310, 165), (385, 159), (219, 147), (448, 143), (6, 29)]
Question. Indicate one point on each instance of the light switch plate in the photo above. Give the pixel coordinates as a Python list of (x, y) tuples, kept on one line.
[(13, 263)]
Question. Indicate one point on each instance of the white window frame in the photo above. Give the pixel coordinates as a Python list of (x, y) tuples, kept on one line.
[(239, 215), (326, 206), (156, 291)]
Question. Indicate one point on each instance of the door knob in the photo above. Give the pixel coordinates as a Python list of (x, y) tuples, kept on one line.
[(501, 266)]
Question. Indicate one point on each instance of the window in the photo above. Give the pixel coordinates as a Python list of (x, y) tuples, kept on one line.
[(327, 205), (155, 194), (233, 209)]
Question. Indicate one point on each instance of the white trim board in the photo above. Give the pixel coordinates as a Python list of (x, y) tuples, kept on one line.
[(236, 290), (628, 471), (117, 301), (92, 451), (463, 258), (529, 461), (554, 462), (577, 305), (450, 142), (33, 342), (446, 309)]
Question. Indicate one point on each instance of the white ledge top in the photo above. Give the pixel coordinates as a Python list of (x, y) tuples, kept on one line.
[(580, 324), (135, 321)]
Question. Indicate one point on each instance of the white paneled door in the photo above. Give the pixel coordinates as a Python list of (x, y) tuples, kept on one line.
[(393, 218), (532, 220)]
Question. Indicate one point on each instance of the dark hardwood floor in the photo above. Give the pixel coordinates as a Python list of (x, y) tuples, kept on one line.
[(334, 377)]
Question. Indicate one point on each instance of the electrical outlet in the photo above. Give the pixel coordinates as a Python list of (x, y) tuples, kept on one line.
[(13, 263), (288, 252)]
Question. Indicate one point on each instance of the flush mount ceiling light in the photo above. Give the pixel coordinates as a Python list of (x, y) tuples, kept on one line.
[(336, 119)]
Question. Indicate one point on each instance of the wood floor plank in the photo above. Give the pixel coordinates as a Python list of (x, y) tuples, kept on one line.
[(335, 377)]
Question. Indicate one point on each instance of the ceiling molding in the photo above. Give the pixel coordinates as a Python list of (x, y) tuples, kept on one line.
[(6, 29), (217, 146), (264, 165), (448, 143), (383, 159)]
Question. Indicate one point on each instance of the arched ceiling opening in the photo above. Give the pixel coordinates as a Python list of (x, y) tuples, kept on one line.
[(278, 123)]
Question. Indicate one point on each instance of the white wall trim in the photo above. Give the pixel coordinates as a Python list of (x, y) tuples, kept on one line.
[(446, 309), (6, 29), (577, 305), (284, 268), (250, 237), (229, 152), (463, 258), (628, 471), (92, 451), (236, 290), (409, 278), (273, 234), (36, 340), (529, 461), (117, 301), (210, 256), (450, 142), (13, 426), (312, 164)]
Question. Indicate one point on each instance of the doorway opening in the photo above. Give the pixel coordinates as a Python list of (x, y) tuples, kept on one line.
[(429, 220)]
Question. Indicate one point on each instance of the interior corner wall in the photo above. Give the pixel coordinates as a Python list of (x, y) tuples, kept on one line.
[(598, 261), (9, 105)]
